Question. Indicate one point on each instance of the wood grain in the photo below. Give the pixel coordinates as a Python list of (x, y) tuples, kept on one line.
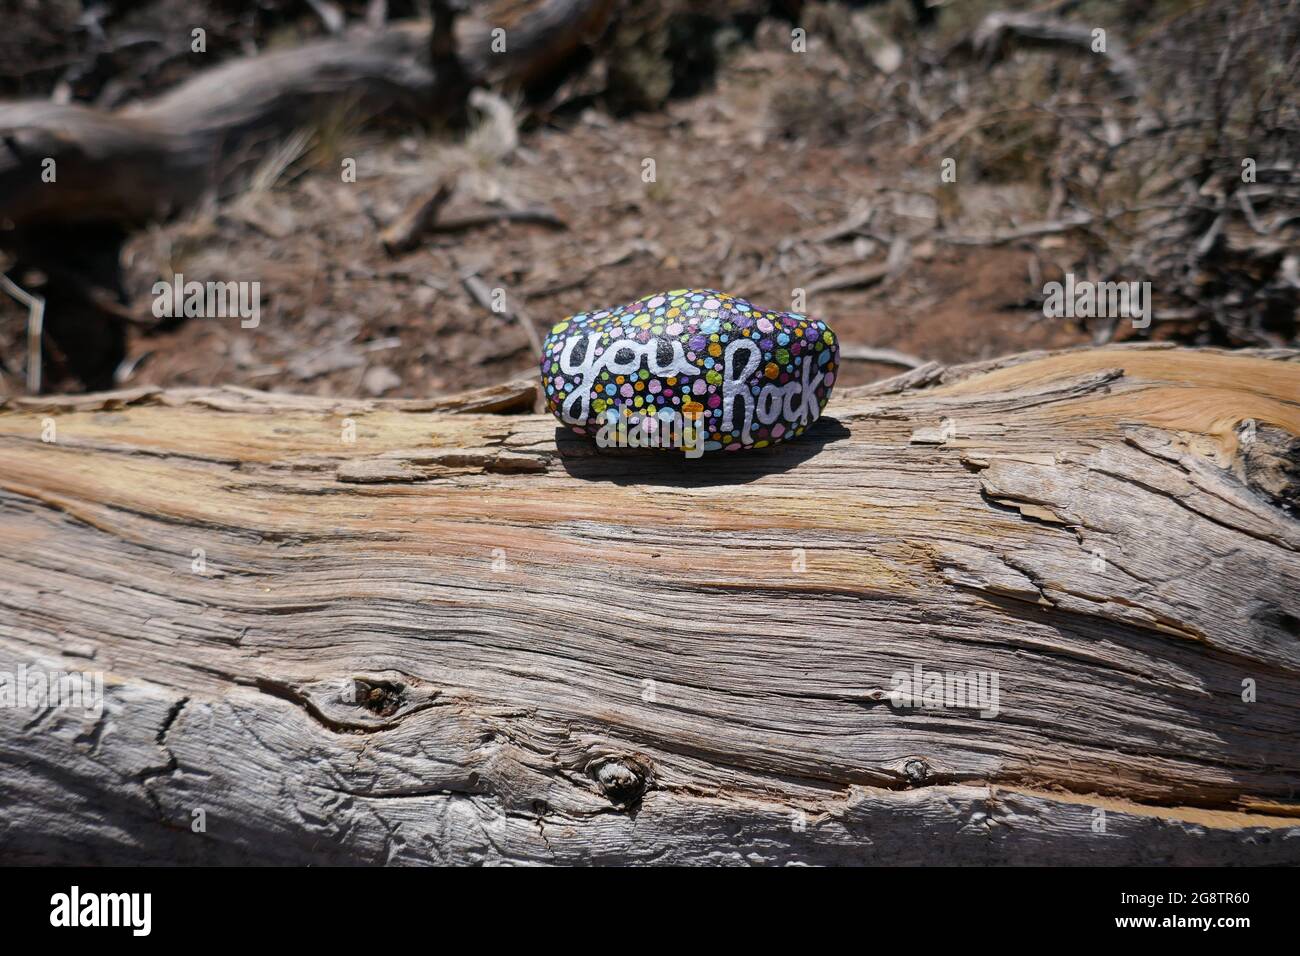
[(467, 637)]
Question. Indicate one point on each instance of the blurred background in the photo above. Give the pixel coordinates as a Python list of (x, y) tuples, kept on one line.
[(795, 146)]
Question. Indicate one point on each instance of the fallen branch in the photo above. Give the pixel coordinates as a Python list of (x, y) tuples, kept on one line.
[(139, 163), (864, 353), (851, 225), (539, 215), (35, 329), (1001, 31), (406, 231), (853, 277), (481, 294), (1033, 231), (116, 170)]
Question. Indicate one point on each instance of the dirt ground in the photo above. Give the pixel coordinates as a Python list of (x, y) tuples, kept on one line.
[(738, 204)]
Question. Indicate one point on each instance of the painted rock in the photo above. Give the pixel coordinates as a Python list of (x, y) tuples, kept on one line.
[(694, 368)]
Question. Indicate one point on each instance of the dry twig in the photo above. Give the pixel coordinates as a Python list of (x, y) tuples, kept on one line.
[(35, 328)]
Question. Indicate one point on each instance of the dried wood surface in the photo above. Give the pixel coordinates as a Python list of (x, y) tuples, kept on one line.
[(564, 655)]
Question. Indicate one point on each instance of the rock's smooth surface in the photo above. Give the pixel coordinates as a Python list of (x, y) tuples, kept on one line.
[(750, 377)]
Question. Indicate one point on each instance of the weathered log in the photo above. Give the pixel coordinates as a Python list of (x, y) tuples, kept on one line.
[(112, 171), (137, 163), (467, 637)]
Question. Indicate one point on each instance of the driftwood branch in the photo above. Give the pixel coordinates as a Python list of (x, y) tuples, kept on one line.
[(1002, 31), (74, 179), (465, 637), (137, 163), (866, 353)]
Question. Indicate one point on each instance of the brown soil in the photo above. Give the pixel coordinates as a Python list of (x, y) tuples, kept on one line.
[(733, 206)]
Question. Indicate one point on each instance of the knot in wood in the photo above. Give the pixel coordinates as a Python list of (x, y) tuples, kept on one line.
[(381, 698), (620, 779)]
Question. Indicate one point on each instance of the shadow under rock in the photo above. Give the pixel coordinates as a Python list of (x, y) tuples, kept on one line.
[(582, 458)]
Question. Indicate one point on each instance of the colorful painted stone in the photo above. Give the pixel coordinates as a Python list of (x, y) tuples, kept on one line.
[(747, 377)]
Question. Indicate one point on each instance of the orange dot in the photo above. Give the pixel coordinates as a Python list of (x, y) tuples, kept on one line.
[(771, 370)]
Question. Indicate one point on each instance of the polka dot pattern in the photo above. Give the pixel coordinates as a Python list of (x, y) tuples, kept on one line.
[(761, 377)]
